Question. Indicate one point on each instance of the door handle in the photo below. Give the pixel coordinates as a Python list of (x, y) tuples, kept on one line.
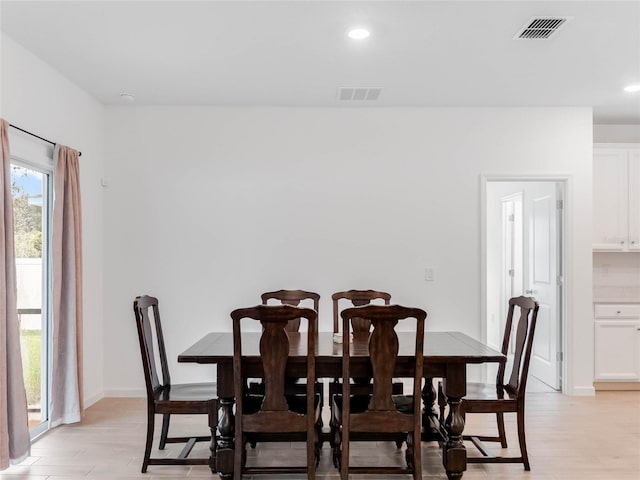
[(531, 292)]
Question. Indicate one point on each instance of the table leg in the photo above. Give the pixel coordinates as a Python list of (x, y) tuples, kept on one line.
[(454, 457), (225, 447), (429, 413), (226, 421), (213, 426)]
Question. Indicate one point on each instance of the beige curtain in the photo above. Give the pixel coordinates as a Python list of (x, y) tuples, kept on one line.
[(66, 385), (15, 443)]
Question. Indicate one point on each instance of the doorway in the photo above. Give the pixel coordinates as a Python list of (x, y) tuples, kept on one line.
[(524, 226), (31, 189)]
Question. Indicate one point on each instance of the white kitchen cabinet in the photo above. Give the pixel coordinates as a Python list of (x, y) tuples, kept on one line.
[(634, 200), (617, 342), (616, 198)]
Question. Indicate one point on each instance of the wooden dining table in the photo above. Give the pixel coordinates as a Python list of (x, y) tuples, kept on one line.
[(446, 356)]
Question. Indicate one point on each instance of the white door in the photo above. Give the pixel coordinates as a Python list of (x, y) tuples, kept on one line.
[(542, 213), (512, 245)]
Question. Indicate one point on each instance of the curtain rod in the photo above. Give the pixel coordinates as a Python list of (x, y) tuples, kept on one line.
[(37, 136)]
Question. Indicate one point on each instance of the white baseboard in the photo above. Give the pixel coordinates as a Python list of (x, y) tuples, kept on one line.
[(588, 391), (617, 386), (88, 401)]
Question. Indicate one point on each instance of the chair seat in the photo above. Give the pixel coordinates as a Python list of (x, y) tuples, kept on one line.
[(363, 387), (486, 391), (193, 393), (293, 386), (359, 404), (297, 403)]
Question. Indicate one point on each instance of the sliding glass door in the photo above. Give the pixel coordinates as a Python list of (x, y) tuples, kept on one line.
[(31, 189)]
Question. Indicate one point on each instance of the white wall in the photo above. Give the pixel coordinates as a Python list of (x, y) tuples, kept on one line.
[(209, 207), (616, 277), (36, 97)]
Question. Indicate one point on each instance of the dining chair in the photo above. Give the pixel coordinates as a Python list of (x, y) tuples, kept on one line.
[(275, 415), (293, 384), (292, 297), (165, 398), (380, 411), (504, 397), (358, 298)]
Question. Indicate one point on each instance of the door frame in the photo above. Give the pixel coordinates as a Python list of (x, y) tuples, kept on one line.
[(564, 297), (36, 155)]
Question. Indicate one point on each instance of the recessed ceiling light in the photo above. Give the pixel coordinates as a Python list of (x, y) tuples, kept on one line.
[(358, 33), (127, 97), (633, 88)]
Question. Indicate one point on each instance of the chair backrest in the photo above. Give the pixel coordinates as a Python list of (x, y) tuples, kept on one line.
[(292, 297), (274, 353), (383, 352), (524, 331), (357, 298), (151, 338)]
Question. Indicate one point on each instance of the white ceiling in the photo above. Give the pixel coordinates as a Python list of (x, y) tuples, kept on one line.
[(296, 53)]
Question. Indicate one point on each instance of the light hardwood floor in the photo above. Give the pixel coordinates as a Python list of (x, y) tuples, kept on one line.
[(581, 438)]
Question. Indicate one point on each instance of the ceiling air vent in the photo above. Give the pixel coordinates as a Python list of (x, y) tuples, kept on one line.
[(541, 28), (358, 93)]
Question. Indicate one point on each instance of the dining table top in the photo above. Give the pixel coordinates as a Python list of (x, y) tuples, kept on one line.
[(449, 347)]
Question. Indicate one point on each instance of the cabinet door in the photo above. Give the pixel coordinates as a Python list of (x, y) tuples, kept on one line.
[(617, 350), (634, 200), (610, 199)]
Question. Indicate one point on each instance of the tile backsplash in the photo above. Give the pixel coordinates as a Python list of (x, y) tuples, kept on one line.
[(616, 277)]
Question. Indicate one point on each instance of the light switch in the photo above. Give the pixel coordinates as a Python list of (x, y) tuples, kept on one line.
[(428, 274)]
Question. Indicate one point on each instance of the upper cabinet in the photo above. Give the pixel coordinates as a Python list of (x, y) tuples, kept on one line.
[(616, 198), (634, 199)]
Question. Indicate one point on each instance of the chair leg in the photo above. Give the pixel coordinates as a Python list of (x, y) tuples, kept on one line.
[(408, 454), (332, 423), (333, 389), (238, 455), (344, 458), (417, 459), (313, 455), (164, 433), (442, 402), (319, 389), (318, 443), (244, 451), (501, 432), (336, 446), (522, 439), (147, 449)]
